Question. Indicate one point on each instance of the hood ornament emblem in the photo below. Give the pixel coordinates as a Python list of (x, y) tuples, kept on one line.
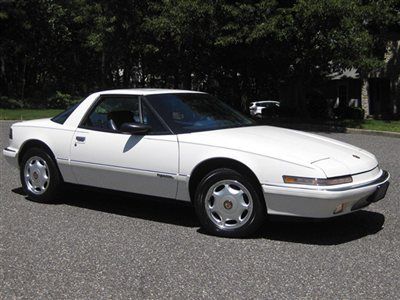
[(355, 156)]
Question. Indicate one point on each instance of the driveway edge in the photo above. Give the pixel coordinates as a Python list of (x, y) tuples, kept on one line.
[(373, 132)]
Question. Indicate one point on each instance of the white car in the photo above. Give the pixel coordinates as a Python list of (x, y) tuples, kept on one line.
[(189, 146), (257, 107)]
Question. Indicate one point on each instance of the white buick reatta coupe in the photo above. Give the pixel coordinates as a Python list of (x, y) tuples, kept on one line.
[(189, 146)]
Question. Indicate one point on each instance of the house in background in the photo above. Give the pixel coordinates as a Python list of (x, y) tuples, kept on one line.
[(378, 93)]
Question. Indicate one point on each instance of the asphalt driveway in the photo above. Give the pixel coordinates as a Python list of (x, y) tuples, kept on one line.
[(97, 245)]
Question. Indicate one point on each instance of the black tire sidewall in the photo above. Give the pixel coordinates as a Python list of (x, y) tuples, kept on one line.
[(258, 215), (55, 181)]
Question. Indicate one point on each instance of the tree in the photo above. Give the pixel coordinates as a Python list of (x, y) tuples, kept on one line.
[(181, 35), (238, 50)]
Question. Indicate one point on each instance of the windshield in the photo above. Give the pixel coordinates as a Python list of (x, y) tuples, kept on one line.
[(268, 104), (196, 112)]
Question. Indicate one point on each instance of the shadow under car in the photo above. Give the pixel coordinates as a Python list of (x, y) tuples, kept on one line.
[(333, 231)]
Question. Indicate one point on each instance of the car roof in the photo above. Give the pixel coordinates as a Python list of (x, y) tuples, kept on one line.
[(147, 91)]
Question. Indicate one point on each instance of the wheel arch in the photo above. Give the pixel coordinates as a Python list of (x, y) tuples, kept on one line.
[(206, 166), (34, 143)]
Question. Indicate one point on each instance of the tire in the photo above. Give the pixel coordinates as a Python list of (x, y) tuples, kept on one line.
[(36, 166), (229, 204)]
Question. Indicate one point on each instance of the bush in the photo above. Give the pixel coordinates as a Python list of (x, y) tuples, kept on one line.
[(318, 108), (288, 112), (10, 103), (349, 112), (61, 100)]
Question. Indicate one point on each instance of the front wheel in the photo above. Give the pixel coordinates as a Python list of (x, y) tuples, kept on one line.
[(229, 204), (40, 177)]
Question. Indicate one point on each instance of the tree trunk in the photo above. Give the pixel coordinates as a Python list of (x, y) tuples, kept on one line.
[(176, 79), (126, 76), (365, 95), (187, 82), (4, 82), (23, 79), (103, 69), (244, 89)]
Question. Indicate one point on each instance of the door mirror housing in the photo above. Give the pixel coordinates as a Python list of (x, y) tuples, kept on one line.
[(135, 128)]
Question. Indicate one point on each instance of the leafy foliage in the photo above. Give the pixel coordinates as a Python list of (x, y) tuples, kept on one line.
[(237, 49)]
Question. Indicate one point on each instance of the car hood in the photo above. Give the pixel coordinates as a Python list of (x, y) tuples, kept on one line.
[(333, 157)]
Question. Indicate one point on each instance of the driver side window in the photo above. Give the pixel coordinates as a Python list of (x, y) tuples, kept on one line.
[(111, 112)]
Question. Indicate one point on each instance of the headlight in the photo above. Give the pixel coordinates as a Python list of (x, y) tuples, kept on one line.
[(317, 181)]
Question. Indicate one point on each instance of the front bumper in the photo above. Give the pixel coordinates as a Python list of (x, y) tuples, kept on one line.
[(317, 203), (11, 156)]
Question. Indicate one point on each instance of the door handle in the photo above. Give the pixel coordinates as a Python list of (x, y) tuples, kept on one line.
[(80, 138)]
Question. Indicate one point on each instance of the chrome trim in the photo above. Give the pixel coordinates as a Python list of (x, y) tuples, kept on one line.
[(75, 162)]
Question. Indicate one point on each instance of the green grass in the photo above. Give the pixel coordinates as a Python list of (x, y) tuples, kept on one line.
[(27, 114), (380, 125)]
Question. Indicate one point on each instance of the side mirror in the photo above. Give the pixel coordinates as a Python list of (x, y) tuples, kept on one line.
[(135, 128)]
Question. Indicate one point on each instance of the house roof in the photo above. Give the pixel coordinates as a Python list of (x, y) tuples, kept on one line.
[(348, 73)]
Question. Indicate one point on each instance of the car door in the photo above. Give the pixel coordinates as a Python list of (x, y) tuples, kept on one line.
[(102, 156)]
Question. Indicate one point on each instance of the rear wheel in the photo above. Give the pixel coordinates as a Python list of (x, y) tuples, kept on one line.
[(229, 204), (40, 177)]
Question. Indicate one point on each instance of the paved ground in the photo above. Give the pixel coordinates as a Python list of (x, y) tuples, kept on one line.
[(93, 245)]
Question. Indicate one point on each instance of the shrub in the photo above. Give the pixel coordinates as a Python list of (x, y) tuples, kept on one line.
[(288, 112), (10, 103), (349, 112), (61, 100), (318, 108)]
